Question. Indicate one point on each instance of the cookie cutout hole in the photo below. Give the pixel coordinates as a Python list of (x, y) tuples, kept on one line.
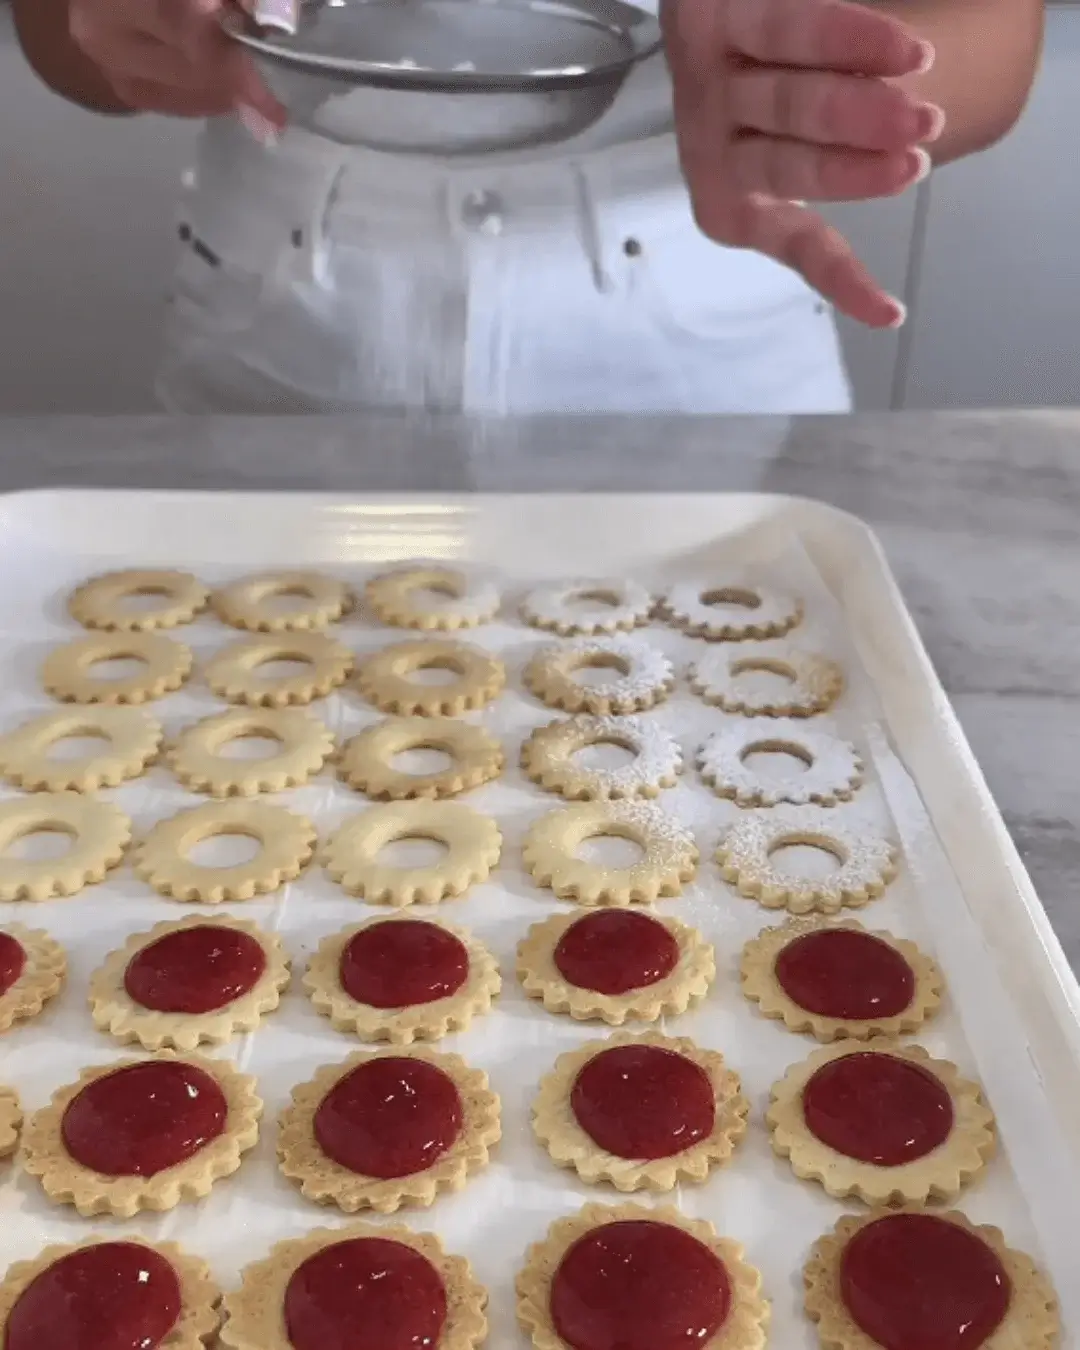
[(145, 599), (435, 592), (286, 598), (252, 745), (412, 850), (228, 849), (439, 672), (612, 850), (730, 597), (421, 760), (595, 671), (777, 761), (122, 666), (593, 599), (604, 756), (78, 744), (286, 666), (41, 843), (806, 857), (762, 679)]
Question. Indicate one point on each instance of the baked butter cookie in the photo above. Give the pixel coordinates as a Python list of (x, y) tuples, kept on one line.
[(128, 742), (836, 980), (626, 1277), (33, 968), (885, 1123), (189, 981), (108, 1292), (361, 1287), (615, 966), (107, 601), (913, 1279), (640, 1112), (388, 1128), (11, 1118), (402, 980), (142, 1134)]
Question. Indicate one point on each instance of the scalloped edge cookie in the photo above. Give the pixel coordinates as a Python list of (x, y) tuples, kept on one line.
[(1032, 1321), (134, 739), (304, 742), (200, 1294), (97, 603), (241, 603), (416, 1022), (67, 1182), (11, 1119), (816, 681), (687, 984), (547, 756), (470, 599), (100, 833), (939, 1175), (114, 1010), (233, 672), (366, 762), (327, 1182), (759, 611), (41, 978), (620, 605), (255, 1312), (569, 1145), (830, 768), (669, 862), (760, 985), (644, 676), (383, 678), (165, 666), (744, 1328)]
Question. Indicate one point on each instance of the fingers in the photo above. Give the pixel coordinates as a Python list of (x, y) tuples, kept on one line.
[(800, 239), (829, 109), (826, 35), (796, 170)]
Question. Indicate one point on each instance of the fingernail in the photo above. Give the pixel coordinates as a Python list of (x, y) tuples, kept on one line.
[(256, 125), (937, 120), (900, 317), (925, 164), (927, 56)]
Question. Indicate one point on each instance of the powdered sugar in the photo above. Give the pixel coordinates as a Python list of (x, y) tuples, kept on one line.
[(725, 676), (550, 757), (588, 606), (731, 608), (824, 768), (643, 675)]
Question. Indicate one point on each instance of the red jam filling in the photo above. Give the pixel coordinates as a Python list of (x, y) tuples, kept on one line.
[(639, 1285), (640, 1101), (843, 973), (399, 964), (917, 1282), (389, 1117), (877, 1109), (112, 1296), (12, 961), (615, 952), (195, 970), (365, 1294), (144, 1118)]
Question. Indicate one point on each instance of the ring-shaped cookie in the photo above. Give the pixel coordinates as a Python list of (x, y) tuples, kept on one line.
[(99, 603), (169, 1024), (99, 833), (68, 1181), (669, 854), (126, 1273), (914, 1248), (557, 1126), (931, 1155), (642, 675), (630, 1302), (646, 966), (604, 605), (383, 679), (367, 761), (723, 677), (133, 739), (472, 841), (164, 666), (829, 771), (548, 757), (32, 978), (304, 746), (731, 610), (234, 672), (249, 602), (837, 980), (867, 863), (445, 1007), (11, 1119), (328, 1181), (371, 1309), (286, 845), (452, 598)]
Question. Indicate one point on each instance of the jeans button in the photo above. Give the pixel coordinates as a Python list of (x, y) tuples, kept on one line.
[(482, 211)]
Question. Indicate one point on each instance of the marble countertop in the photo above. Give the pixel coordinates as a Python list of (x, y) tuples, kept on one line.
[(979, 515)]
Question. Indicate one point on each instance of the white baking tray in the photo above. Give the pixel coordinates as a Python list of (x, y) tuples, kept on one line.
[(1011, 1014)]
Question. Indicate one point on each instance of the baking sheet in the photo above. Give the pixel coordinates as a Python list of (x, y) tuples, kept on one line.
[(1007, 1019)]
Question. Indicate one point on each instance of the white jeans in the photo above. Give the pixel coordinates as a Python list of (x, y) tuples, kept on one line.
[(318, 278)]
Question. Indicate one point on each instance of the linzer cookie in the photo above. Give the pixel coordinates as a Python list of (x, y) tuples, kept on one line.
[(163, 665), (552, 758), (238, 673), (767, 679), (107, 601), (368, 761), (604, 605), (731, 610), (387, 678), (131, 739), (198, 758), (641, 676), (824, 769), (33, 968), (99, 833), (280, 602), (432, 598)]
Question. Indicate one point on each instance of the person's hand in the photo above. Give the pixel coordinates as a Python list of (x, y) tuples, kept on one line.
[(783, 101), (170, 56)]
